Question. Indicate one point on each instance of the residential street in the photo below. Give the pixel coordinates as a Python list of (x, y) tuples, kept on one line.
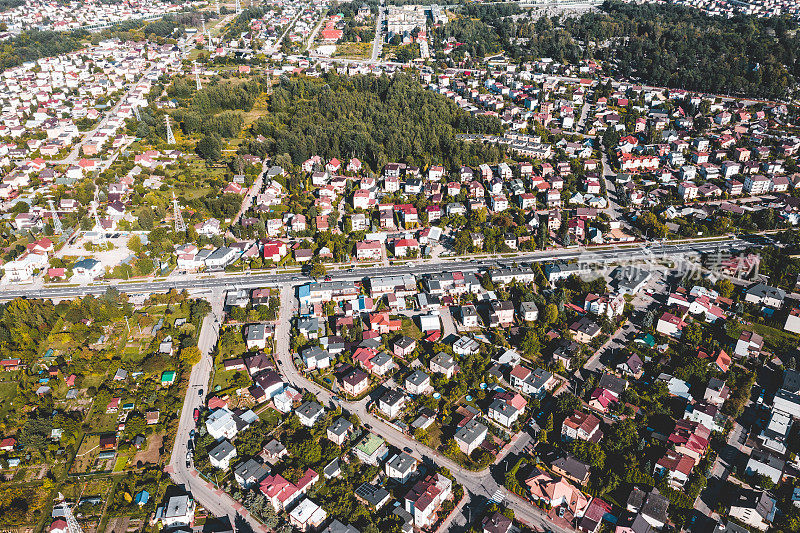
[(474, 483), (216, 501)]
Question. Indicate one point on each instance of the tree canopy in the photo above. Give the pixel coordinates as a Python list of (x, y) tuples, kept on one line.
[(377, 120)]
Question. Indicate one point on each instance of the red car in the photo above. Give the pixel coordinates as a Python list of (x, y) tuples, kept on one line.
[(196, 415)]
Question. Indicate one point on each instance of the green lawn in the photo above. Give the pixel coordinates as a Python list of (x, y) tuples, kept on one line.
[(410, 329), (8, 392), (775, 338), (120, 463)]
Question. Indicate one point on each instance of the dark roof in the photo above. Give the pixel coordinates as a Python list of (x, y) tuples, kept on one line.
[(375, 496), (758, 500), (613, 383), (656, 506), (573, 467), (496, 523)]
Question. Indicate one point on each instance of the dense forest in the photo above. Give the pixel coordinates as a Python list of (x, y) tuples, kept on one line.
[(34, 44), (664, 45), (377, 120), (5, 5), (214, 108)]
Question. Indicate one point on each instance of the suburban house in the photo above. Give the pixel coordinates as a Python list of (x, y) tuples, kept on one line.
[(557, 491), (425, 498), (581, 426), (470, 436)]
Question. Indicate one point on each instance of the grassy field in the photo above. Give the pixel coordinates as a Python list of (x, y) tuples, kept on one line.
[(775, 338), (410, 329), (87, 453), (353, 50), (8, 390), (260, 109)]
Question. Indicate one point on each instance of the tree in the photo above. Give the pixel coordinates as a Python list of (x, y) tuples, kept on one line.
[(647, 321), (317, 270), (190, 355), (530, 342), (210, 147), (622, 435), (725, 288), (146, 219), (693, 334), (550, 313)]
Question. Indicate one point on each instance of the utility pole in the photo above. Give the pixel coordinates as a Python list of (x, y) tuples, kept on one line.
[(170, 135), (57, 228), (197, 75), (180, 225)]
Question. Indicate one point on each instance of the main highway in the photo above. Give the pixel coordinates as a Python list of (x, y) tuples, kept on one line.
[(251, 279)]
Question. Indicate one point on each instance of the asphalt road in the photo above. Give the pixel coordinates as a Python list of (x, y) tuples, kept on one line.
[(223, 280), (474, 483), (477, 485), (215, 501)]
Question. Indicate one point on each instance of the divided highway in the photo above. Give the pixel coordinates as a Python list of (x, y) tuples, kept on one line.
[(223, 280)]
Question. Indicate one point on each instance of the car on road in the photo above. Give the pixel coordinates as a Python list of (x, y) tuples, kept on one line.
[(196, 415), (407, 449), (200, 392)]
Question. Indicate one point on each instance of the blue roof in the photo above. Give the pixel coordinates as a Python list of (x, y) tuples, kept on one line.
[(142, 497)]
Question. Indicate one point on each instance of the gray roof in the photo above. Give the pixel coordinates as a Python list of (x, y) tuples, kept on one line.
[(251, 469), (222, 450), (331, 468), (539, 377), (374, 495), (87, 263), (381, 359), (338, 527), (177, 506), (402, 462), (310, 410), (761, 290), (444, 360), (392, 397), (315, 352), (571, 466), (340, 426), (730, 527), (613, 383), (629, 278), (417, 378), (791, 380), (503, 408), (656, 506), (471, 431), (761, 501), (256, 332)]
